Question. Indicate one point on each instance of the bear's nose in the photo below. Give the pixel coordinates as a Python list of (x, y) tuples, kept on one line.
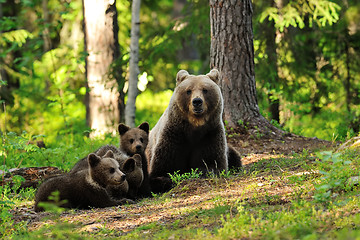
[(138, 147), (123, 177), (197, 102)]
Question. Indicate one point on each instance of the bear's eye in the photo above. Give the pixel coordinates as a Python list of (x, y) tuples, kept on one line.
[(205, 91), (112, 170), (141, 140), (131, 141), (188, 92)]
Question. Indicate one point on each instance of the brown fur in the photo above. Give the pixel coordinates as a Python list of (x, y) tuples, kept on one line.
[(118, 155), (134, 141), (132, 167), (134, 174), (234, 158), (190, 134), (88, 187)]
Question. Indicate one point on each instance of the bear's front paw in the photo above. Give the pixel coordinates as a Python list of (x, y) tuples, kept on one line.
[(161, 184)]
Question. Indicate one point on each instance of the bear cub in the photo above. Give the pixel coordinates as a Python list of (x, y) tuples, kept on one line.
[(89, 187), (132, 167), (134, 141)]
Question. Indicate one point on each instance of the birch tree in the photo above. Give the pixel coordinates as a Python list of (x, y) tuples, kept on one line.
[(133, 65)]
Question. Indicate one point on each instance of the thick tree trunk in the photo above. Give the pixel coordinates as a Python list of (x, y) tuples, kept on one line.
[(133, 65), (232, 53), (101, 44)]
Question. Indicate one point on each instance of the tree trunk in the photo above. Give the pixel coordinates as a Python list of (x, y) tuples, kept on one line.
[(273, 36), (232, 53), (46, 31), (133, 65), (101, 44)]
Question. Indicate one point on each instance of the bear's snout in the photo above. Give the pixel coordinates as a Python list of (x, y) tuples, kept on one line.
[(197, 102), (197, 105)]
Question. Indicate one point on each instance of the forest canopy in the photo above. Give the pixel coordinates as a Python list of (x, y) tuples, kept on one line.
[(307, 63)]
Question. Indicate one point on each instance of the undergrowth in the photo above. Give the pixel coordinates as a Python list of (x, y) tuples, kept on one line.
[(21, 150), (322, 204)]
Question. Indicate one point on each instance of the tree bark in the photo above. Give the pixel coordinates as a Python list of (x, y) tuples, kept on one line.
[(46, 31), (130, 108), (232, 53), (273, 36), (101, 44)]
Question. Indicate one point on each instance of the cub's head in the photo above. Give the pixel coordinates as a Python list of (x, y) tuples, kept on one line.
[(198, 97), (132, 167), (105, 171), (134, 140)]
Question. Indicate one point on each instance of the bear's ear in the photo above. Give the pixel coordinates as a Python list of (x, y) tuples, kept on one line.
[(181, 75), (137, 158), (123, 128), (93, 160), (144, 126), (129, 165), (214, 75), (109, 154)]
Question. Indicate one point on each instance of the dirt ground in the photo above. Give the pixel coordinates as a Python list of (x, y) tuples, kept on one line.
[(190, 195), (249, 146)]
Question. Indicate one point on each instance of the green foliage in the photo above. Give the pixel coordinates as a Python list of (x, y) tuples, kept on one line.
[(335, 171), (60, 230), (322, 125), (10, 197), (44, 86), (18, 37), (288, 222), (294, 14), (178, 178), (301, 62), (43, 90), (62, 150), (54, 206), (150, 106)]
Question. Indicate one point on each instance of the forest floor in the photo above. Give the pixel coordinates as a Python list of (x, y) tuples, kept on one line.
[(201, 203), (252, 149)]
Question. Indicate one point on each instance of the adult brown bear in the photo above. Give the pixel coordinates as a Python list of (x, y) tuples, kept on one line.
[(190, 134)]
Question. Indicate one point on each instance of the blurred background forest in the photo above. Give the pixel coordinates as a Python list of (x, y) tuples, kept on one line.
[(307, 63)]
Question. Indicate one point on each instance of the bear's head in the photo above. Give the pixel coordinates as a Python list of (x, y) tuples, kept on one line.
[(132, 167), (134, 140), (105, 171), (198, 97)]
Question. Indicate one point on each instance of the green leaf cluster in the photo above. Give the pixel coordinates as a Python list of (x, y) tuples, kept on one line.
[(335, 170), (307, 62), (177, 178)]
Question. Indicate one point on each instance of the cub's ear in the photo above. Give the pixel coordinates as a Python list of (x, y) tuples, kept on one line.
[(144, 126), (214, 75), (123, 128), (137, 158), (129, 165), (109, 154), (181, 75), (93, 160)]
